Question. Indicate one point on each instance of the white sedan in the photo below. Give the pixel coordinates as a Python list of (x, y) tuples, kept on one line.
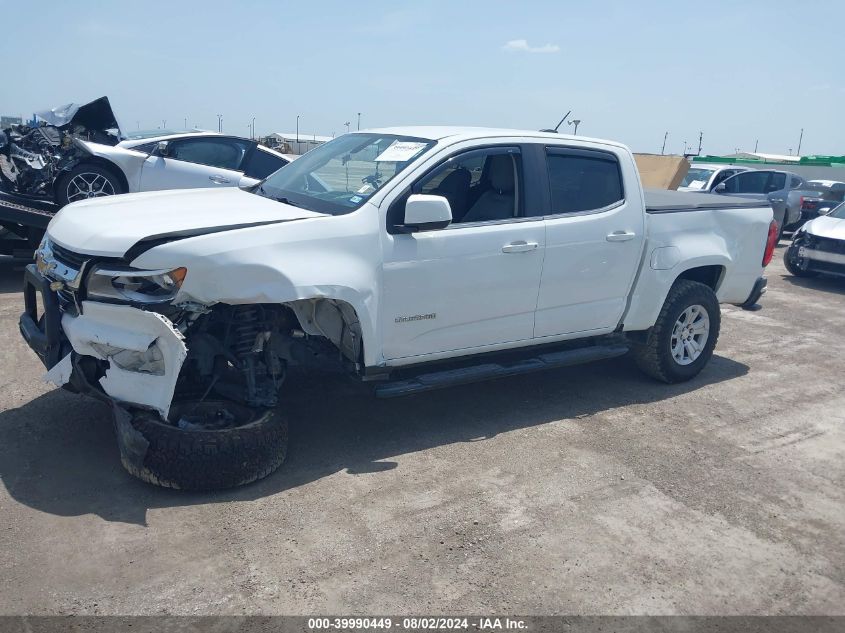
[(186, 160)]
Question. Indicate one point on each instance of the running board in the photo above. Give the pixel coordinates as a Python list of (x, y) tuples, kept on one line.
[(477, 373)]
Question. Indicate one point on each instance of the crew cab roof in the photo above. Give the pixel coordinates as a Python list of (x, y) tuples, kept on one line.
[(458, 133)]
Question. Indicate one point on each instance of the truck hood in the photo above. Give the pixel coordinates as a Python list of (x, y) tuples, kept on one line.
[(825, 226), (108, 227)]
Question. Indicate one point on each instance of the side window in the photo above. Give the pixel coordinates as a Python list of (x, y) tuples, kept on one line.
[(583, 180), (794, 182), (722, 176), (776, 183), (480, 185), (261, 164), (748, 182), (214, 152)]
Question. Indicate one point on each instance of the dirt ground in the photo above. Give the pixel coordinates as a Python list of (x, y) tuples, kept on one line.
[(588, 490)]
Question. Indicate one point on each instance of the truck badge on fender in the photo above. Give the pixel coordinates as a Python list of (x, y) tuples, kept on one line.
[(416, 317)]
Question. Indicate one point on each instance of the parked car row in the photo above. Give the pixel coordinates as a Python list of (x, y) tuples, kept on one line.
[(794, 200)]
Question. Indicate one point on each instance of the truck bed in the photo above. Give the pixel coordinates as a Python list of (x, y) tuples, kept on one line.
[(664, 201)]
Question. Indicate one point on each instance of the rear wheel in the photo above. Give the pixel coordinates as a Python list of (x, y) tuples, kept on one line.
[(207, 445), (682, 340), (87, 181)]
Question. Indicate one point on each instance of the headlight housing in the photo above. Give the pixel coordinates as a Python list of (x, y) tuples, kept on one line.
[(114, 283)]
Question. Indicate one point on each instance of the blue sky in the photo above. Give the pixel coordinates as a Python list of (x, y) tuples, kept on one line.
[(739, 71)]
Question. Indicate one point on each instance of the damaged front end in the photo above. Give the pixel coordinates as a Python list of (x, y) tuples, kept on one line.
[(131, 337), (32, 158)]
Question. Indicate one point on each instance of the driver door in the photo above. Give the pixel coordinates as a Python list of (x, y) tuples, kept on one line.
[(473, 284), (193, 163)]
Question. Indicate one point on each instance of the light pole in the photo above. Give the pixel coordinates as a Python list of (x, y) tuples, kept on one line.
[(252, 134), (359, 120), (297, 130), (800, 138), (663, 149), (347, 127), (575, 122), (219, 122)]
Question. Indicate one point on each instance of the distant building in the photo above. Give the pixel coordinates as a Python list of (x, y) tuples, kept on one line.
[(7, 121), (289, 143)]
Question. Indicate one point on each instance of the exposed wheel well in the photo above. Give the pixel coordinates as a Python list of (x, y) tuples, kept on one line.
[(710, 276)]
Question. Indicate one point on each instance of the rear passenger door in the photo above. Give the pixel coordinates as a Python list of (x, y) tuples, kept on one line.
[(594, 237)]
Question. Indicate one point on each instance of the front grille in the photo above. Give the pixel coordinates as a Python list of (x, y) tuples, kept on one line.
[(829, 245), (68, 258)]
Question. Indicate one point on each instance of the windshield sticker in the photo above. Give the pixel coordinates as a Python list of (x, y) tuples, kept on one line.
[(400, 151), (367, 188), (355, 199), (697, 184)]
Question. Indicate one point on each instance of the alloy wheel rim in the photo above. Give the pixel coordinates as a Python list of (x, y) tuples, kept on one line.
[(690, 334), (88, 185)]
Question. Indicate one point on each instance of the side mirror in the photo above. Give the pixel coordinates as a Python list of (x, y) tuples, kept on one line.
[(424, 213), (163, 148), (246, 183), (720, 188)]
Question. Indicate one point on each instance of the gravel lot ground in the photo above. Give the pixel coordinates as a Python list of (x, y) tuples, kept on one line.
[(589, 490)]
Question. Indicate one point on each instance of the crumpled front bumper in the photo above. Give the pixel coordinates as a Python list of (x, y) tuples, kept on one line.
[(143, 350)]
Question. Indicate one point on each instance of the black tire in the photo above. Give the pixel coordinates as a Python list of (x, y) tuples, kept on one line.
[(205, 459), (790, 260), (654, 356), (64, 182)]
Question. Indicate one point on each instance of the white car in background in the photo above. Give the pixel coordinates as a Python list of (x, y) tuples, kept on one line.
[(77, 152), (178, 160), (703, 178)]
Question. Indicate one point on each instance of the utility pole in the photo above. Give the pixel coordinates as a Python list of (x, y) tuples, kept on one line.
[(663, 149), (800, 138), (359, 120), (219, 122), (297, 131), (700, 136), (347, 127), (755, 145)]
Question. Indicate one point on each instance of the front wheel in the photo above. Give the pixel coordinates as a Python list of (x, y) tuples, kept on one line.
[(682, 339), (204, 445), (87, 181)]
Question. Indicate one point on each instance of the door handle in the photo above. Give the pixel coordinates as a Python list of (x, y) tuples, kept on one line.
[(219, 180), (519, 247), (621, 236), (776, 199)]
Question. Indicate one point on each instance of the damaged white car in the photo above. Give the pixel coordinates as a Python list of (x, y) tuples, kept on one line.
[(415, 258), (79, 152)]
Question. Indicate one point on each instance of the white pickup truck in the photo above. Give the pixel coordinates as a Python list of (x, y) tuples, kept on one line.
[(414, 258)]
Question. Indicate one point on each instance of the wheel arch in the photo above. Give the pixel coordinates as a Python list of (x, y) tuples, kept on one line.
[(102, 163)]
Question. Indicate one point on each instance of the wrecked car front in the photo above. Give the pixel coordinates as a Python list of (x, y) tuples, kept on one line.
[(33, 157)]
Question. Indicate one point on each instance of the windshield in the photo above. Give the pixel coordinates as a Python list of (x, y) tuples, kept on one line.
[(339, 176), (838, 212), (697, 178)]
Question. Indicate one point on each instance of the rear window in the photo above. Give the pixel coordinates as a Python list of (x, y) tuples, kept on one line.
[(583, 180)]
